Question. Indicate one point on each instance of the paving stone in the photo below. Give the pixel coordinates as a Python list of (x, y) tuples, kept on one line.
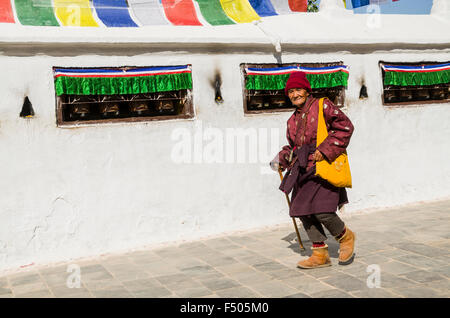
[(65, 292), (374, 293), (59, 269), (44, 293), (218, 260), (442, 285), (5, 291), (29, 288), (242, 240), (101, 284), (306, 284), (193, 292), (373, 259), (220, 283), (388, 280), (56, 279), (25, 279), (250, 277), (254, 260), (239, 253), (345, 282), (182, 263), (237, 292), (172, 279), (269, 266), (201, 271), (321, 273), (298, 295), (273, 288), (418, 292), (221, 243), (116, 292), (397, 268), (331, 293), (231, 269), (442, 270), (141, 284), (158, 268), (157, 292), (186, 284), (285, 273), (422, 249), (422, 276), (4, 282), (92, 268)]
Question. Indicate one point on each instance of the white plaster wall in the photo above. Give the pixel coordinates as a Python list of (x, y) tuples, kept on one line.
[(77, 192)]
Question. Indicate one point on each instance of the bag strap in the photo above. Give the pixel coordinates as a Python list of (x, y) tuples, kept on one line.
[(322, 132)]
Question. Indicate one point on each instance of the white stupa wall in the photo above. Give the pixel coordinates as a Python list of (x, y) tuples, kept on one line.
[(79, 192)]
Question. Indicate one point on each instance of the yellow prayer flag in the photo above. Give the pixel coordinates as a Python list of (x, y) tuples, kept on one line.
[(239, 10), (74, 13)]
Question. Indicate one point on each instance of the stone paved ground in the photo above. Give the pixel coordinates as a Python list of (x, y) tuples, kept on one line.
[(410, 246)]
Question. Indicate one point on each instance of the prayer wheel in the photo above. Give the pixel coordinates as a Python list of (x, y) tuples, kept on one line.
[(278, 101), (139, 108), (80, 111), (405, 95), (256, 102), (109, 109)]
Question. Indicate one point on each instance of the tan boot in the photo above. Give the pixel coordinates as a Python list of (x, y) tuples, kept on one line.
[(319, 258), (346, 247)]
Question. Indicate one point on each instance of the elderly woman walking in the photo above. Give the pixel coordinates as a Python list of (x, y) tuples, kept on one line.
[(315, 200)]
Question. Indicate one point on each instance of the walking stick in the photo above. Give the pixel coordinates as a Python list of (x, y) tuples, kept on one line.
[(293, 218)]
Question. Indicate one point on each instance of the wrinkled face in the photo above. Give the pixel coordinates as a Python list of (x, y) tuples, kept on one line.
[(298, 96)]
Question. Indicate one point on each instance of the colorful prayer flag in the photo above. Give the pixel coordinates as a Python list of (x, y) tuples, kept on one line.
[(114, 13)]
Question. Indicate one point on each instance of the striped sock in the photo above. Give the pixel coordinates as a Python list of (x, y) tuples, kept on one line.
[(318, 244)]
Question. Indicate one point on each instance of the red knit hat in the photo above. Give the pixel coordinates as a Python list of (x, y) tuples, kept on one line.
[(297, 80)]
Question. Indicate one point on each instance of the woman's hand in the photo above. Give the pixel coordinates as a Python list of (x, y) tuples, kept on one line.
[(318, 156)]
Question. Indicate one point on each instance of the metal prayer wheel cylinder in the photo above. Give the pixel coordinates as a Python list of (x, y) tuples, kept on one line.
[(405, 95), (390, 96), (438, 93), (80, 110), (109, 109), (278, 101), (422, 94), (256, 102), (139, 108), (165, 106)]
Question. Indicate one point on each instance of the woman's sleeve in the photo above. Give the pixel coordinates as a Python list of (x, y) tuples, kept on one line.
[(340, 130)]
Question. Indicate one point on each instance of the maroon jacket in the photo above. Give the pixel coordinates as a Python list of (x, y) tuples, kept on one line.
[(339, 127)]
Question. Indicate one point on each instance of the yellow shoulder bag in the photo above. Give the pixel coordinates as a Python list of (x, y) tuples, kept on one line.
[(338, 172)]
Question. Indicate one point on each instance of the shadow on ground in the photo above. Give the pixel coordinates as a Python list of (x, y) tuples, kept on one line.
[(333, 245)]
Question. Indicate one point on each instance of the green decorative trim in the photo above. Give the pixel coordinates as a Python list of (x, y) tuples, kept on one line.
[(277, 82), (122, 85), (416, 78)]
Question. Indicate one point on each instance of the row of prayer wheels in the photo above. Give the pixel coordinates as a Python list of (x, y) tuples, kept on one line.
[(114, 109), (408, 94)]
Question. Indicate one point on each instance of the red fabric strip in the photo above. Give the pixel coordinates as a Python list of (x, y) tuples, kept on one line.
[(6, 13), (120, 75), (180, 12), (298, 5)]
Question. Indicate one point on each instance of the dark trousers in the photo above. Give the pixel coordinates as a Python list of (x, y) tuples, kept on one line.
[(313, 225)]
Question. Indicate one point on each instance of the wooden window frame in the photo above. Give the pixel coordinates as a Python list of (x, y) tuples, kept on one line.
[(415, 102), (316, 92), (64, 101)]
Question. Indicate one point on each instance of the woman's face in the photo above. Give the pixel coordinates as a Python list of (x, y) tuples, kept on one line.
[(298, 96)]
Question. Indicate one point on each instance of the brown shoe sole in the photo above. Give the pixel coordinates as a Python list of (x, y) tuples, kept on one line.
[(348, 261), (318, 266)]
